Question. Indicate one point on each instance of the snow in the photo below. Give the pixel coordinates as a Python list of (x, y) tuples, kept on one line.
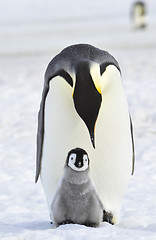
[(32, 32)]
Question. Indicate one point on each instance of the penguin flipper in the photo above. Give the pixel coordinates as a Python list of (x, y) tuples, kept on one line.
[(133, 156), (40, 132)]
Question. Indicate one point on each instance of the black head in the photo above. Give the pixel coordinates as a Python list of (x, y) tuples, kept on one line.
[(78, 160)]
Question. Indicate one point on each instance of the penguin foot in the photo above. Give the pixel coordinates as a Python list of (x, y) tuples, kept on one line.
[(87, 224), (90, 224), (65, 222), (108, 217)]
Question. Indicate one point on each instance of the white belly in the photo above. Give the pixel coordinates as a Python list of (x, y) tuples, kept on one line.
[(111, 160), (139, 19)]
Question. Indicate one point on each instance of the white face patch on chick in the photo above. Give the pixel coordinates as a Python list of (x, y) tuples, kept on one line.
[(78, 163)]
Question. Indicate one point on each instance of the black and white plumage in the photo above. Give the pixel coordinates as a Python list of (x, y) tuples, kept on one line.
[(83, 105), (76, 200), (138, 14)]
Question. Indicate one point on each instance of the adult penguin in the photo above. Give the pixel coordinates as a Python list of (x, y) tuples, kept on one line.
[(138, 14), (83, 105)]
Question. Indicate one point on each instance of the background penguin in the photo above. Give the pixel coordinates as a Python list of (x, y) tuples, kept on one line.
[(84, 105), (76, 200), (139, 14)]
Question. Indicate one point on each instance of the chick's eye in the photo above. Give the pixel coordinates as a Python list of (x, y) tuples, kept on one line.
[(85, 158), (72, 157)]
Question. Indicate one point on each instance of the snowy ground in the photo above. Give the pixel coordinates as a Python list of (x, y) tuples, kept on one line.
[(29, 38)]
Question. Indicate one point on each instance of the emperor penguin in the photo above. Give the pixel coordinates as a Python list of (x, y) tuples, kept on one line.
[(139, 14), (76, 200), (83, 105)]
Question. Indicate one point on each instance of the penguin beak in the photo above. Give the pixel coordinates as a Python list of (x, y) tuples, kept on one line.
[(87, 99), (88, 113), (92, 139)]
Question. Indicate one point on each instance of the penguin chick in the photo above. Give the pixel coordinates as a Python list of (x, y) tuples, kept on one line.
[(76, 200)]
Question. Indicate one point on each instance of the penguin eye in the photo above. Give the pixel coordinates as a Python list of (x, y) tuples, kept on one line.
[(85, 158), (72, 157)]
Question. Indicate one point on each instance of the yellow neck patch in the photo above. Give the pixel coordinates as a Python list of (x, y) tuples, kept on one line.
[(96, 76)]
